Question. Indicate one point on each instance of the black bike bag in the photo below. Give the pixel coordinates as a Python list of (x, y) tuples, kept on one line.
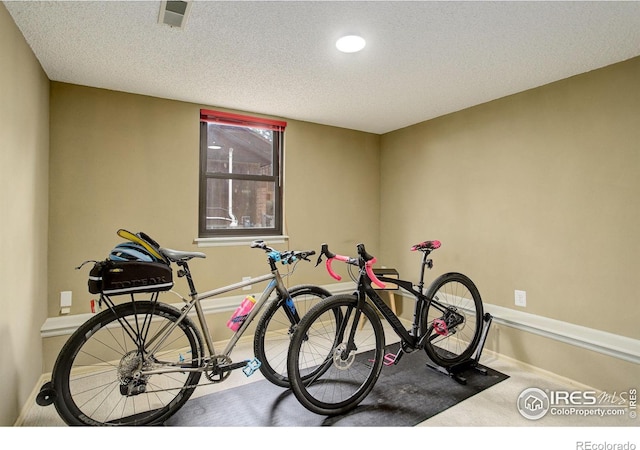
[(129, 277)]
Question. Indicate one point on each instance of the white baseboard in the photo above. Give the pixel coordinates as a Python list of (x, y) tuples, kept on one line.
[(66, 325), (614, 345)]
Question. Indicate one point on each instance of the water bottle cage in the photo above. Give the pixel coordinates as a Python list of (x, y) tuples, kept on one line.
[(240, 319)]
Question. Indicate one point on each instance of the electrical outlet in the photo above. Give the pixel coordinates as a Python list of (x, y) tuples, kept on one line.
[(65, 302), (521, 298), (65, 299), (246, 288)]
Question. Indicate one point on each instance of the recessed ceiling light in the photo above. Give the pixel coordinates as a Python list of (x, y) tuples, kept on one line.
[(350, 44)]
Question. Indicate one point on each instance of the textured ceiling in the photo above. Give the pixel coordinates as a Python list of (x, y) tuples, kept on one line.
[(423, 59)]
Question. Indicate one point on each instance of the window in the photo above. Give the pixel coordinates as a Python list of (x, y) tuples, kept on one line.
[(240, 175)]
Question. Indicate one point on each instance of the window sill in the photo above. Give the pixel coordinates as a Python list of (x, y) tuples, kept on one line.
[(242, 240)]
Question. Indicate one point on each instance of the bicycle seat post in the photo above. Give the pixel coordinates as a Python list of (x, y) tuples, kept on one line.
[(185, 272), (425, 263)]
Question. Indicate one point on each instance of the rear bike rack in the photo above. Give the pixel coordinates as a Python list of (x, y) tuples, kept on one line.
[(455, 371)]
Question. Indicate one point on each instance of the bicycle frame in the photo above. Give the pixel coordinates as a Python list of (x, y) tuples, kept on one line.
[(405, 335), (410, 338), (275, 284)]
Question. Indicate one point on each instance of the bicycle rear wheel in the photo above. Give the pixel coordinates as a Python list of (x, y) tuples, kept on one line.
[(94, 376), (327, 377), (455, 312), (274, 330)]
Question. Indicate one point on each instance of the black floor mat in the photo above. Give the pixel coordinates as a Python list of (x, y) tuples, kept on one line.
[(405, 395)]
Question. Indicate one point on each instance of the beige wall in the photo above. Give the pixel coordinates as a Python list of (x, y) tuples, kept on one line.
[(128, 161), (24, 147), (537, 192)]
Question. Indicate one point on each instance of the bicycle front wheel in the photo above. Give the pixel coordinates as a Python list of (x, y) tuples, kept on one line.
[(95, 377), (329, 373), (274, 330), (455, 314)]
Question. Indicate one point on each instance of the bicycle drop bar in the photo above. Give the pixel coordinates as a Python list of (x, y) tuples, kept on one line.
[(367, 261)]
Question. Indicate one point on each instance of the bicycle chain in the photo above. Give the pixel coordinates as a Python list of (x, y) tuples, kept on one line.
[(189, 386), (209, 372)]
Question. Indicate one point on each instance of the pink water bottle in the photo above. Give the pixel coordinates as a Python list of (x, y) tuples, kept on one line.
[(241, 313)]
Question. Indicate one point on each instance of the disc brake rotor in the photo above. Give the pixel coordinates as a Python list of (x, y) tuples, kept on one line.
[(339, 359)]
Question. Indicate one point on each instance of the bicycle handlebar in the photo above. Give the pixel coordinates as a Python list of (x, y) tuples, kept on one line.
[(364, 259), (286, 257)]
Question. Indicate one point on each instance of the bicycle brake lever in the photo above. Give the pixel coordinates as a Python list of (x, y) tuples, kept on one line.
[(325, 251), (304, 256)]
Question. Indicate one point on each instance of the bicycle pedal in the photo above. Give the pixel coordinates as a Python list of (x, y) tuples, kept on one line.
[(440, 327), (389, 359), (252, 365)]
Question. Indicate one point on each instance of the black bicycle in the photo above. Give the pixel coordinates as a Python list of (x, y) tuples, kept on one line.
[(137, 362), (447, 324)]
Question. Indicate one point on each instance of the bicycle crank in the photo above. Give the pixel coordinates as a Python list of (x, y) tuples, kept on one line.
[(215, 370)]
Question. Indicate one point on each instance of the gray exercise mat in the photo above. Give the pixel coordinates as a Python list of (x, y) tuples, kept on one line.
[(405, 395)]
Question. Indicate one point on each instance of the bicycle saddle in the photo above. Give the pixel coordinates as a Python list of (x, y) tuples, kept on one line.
[(177, 255), (426, 245)]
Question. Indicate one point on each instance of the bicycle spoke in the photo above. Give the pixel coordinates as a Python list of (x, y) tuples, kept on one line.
[(455, 316), (103, 381), (330, 374)]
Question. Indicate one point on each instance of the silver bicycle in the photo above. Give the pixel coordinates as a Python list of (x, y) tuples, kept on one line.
[(137, 362)]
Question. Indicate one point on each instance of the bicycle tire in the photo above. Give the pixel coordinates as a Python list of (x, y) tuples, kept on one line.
[(274, 331), (341, 380), (462, 316), (93, 379)]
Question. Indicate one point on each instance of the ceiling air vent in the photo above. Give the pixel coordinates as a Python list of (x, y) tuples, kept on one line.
[(174, 14)]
